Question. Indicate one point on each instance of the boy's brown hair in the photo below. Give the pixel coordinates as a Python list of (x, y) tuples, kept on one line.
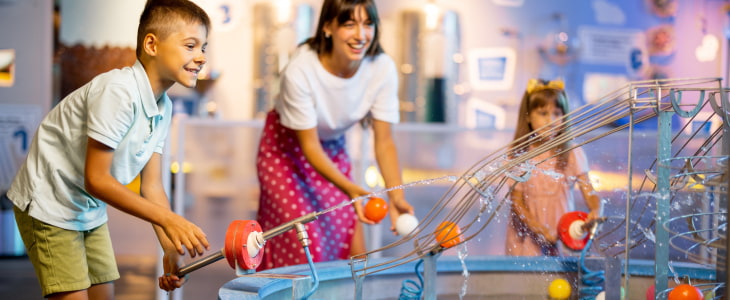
[(160, 18)]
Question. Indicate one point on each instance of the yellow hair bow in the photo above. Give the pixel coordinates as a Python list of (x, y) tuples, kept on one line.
[(534, 85)]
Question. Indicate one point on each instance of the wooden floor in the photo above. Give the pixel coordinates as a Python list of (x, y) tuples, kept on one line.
[(138, 280)]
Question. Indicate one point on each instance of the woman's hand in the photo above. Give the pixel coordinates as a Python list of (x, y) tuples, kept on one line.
[(398, 206), (355, 193)]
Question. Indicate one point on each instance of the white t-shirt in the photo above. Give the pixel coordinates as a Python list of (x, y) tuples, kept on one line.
[(116, 108), (313, 97)]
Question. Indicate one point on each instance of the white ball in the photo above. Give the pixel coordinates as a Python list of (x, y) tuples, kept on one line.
[(405, 224), (601, 296)]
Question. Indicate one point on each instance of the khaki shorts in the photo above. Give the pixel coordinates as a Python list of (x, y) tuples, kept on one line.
[(67, 260)]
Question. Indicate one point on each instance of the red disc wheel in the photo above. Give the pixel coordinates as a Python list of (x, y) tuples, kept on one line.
[(244, 260), (234, 232), (568, 219)]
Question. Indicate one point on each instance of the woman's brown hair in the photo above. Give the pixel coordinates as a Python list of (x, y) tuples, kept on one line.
[(341, 11)]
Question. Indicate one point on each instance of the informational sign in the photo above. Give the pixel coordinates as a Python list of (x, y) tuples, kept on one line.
[(603, 46), (224, 14), (480, 113), (512, 3), (492, 68), (597, 85), (17, 126)]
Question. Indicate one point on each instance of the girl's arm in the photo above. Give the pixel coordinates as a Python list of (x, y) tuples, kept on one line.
[(520, 209), (386, 155), (584, 183), (315, 155), (589, 194)]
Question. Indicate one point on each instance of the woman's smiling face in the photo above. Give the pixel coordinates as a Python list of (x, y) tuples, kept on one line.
[(352, 39)]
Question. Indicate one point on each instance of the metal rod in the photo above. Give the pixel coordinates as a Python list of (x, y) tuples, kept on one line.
[(201, 263), (663, 205), (629, 189), (267, 235), (289, 225)]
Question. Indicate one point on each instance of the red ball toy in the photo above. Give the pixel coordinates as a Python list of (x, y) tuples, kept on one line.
[(686, 292), (376, 209), (650, 293), (448, 234)]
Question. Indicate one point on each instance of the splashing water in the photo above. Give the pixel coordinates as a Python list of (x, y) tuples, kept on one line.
[(451, 178), (553, 174), (462, 253), (674, 273), (648, 233)]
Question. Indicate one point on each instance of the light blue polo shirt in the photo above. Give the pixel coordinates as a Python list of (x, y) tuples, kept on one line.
[(116, 108)]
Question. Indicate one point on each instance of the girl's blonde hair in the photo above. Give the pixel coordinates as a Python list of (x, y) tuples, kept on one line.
[(539, 94)]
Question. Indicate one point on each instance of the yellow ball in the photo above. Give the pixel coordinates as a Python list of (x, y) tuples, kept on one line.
[(559, 289)]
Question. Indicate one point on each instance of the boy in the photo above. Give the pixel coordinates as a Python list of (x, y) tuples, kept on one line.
[(99, 138)]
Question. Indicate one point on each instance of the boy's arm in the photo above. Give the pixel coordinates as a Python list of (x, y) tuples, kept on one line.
[(152, 189), (101, 184)]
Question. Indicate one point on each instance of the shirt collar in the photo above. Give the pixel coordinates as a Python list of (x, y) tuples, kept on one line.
[(149, 103)]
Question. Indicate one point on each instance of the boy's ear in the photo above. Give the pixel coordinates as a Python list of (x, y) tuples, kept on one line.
[(150, 44)]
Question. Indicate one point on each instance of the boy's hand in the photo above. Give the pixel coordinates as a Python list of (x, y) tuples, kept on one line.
[(184, 233), (170, 281)]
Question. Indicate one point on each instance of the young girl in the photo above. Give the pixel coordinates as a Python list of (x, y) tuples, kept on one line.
[(539, 202), (333, 81)]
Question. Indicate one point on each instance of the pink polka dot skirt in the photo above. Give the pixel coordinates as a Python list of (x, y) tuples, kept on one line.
[(290, 188)]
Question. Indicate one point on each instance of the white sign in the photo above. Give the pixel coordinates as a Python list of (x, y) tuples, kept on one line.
[(492, 68), (513, 3), (17, 126), (598, 85), (608, 46)]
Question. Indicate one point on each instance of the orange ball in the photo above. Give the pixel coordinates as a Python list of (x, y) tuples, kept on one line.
[(376, 209), (686, 292), (448, 234)]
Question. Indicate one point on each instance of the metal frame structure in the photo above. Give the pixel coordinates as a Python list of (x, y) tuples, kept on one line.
[(481, 192)]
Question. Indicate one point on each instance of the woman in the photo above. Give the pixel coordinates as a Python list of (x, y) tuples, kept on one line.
[(334, 80)]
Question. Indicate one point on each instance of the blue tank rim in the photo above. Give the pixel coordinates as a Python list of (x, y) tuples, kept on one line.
[(262, 284)]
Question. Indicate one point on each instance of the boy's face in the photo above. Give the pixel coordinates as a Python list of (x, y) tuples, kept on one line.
[(182, 54)]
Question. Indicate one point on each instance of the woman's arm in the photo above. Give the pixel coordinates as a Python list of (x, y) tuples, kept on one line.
[(315, 155), (386, 155)]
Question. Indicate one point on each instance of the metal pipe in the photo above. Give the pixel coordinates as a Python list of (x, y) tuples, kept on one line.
[(302, 235), (289, 225), (304, 238), (201, 263)]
